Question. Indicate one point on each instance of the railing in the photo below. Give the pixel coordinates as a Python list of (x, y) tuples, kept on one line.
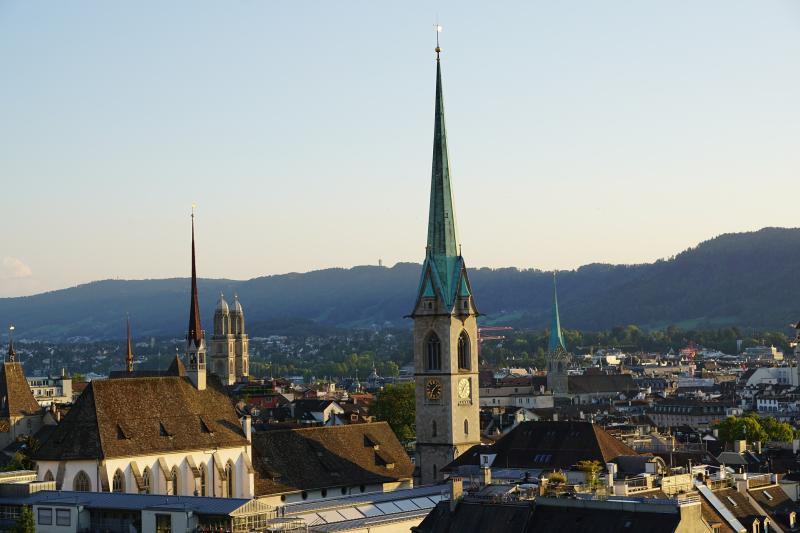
[(758, 480), (715, 484)]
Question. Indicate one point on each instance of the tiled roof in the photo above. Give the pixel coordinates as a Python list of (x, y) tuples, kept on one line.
[(16, 398), (334, 456), (137, 416), (549, 445), (588, 384), (775, 502)]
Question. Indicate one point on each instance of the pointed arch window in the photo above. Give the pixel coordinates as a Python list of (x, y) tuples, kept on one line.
[(48, 476), (433, 352), (203, 482), (174, 486), (146, 480), (82, 482), (466, 427), (230, 482), (118, 482), (464, 360)]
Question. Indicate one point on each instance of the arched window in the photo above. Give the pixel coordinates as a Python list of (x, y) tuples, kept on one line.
[(463, 352), (433, 428), (466, 427), (118, 482), (230, 482), (433, 350), (173, 482), (203, 483), (146, 480), (82, 482), (48, 476)]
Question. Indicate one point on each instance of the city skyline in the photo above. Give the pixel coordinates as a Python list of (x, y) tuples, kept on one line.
[(570, 143)]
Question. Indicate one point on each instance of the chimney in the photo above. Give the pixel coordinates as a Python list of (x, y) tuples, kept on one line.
[(758, 447), (555, 417), (739, 446), (741, 486), (792, 520), (247, 428), (795, 446), (456, 491), (612, 473), (486, 476)]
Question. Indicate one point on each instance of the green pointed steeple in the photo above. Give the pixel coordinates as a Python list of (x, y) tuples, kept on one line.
[(556, 340), (442, 234)]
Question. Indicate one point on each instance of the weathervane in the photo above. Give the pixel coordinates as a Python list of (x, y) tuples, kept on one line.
[(438, 31)]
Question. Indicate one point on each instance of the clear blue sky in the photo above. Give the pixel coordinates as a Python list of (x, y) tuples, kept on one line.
[(586, 131)]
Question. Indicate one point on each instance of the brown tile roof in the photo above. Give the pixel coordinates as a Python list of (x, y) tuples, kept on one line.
[(137, 416), (602, 383), (16, 398), (740, 507), (333, 456), (549, 445), (778, 505)]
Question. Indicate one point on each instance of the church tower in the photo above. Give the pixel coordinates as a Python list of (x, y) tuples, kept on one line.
[(195, 336), (557, 356), (129, 351), (222, 344), (445, 327), (241, 343)]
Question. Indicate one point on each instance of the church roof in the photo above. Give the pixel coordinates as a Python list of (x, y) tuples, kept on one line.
[(333, 456), (548, 445), (139, 416), (16, 398)]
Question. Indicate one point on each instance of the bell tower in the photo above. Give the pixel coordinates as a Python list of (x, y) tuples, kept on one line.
[(557, 355), (445, 327), (222, 344)]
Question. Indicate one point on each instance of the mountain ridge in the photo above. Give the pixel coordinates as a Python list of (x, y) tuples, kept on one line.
[(742, 279)]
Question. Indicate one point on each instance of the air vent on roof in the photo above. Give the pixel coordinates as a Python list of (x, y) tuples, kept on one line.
[(163, 431), (732, 502), (121, 434), (768, 495)]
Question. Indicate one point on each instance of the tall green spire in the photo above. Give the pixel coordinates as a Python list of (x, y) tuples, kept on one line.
[(442, 234), (556, 340)]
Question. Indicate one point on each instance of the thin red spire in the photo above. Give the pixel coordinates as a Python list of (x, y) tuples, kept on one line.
[(195, 332), (129, 354)]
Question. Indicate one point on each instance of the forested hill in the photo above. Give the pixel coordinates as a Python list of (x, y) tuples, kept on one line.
[(745, 279)]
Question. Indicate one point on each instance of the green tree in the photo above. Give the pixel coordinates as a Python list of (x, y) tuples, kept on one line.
[(591, 469), (741, 428), (776, 431), (25, 522), (396, 404)]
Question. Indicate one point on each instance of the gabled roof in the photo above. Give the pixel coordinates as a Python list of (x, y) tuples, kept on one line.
[(125, 417), (16, 398), (548, 445), (333, 456), (601, 383)]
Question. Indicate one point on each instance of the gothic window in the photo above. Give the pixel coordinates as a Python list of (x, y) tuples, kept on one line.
[(118, 483), (229, 480), (433, 427), (203, 480), (48, 476), (463, 351), (173, 482), (146, 480), (82, 483), (433, 351), (466, 427)]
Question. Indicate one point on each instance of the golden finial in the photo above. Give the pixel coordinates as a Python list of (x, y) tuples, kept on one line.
[(438, 31)]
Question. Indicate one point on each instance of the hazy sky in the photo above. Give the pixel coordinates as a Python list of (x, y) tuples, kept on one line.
[(583, 131)]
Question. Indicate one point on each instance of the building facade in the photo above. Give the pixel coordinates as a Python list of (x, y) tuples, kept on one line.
[(229, 344)]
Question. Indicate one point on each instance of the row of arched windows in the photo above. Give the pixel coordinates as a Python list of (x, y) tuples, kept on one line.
[(433, 352), (82, 482)]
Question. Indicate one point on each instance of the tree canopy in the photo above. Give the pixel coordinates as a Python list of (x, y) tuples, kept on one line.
[(754, 428), (396, 404)]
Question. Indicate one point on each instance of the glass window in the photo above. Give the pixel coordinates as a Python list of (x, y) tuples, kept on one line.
[(434, 352), (173, 483), (118, 483), (203, 480), (46, 516), (63, 517), (463, 351), (163, 523), (229, 479), (146, 480), (82, 483)]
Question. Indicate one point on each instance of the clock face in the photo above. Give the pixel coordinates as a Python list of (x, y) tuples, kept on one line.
[(463, 388), (433, 389)]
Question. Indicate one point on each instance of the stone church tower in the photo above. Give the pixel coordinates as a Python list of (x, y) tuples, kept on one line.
[(229, 344), (557, 355), (445, 327)]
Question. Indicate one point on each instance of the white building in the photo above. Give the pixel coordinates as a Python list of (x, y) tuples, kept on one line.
[(48, 390)]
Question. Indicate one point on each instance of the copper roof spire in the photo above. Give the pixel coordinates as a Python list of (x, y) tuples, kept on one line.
[(129, 353), (195, 332)]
